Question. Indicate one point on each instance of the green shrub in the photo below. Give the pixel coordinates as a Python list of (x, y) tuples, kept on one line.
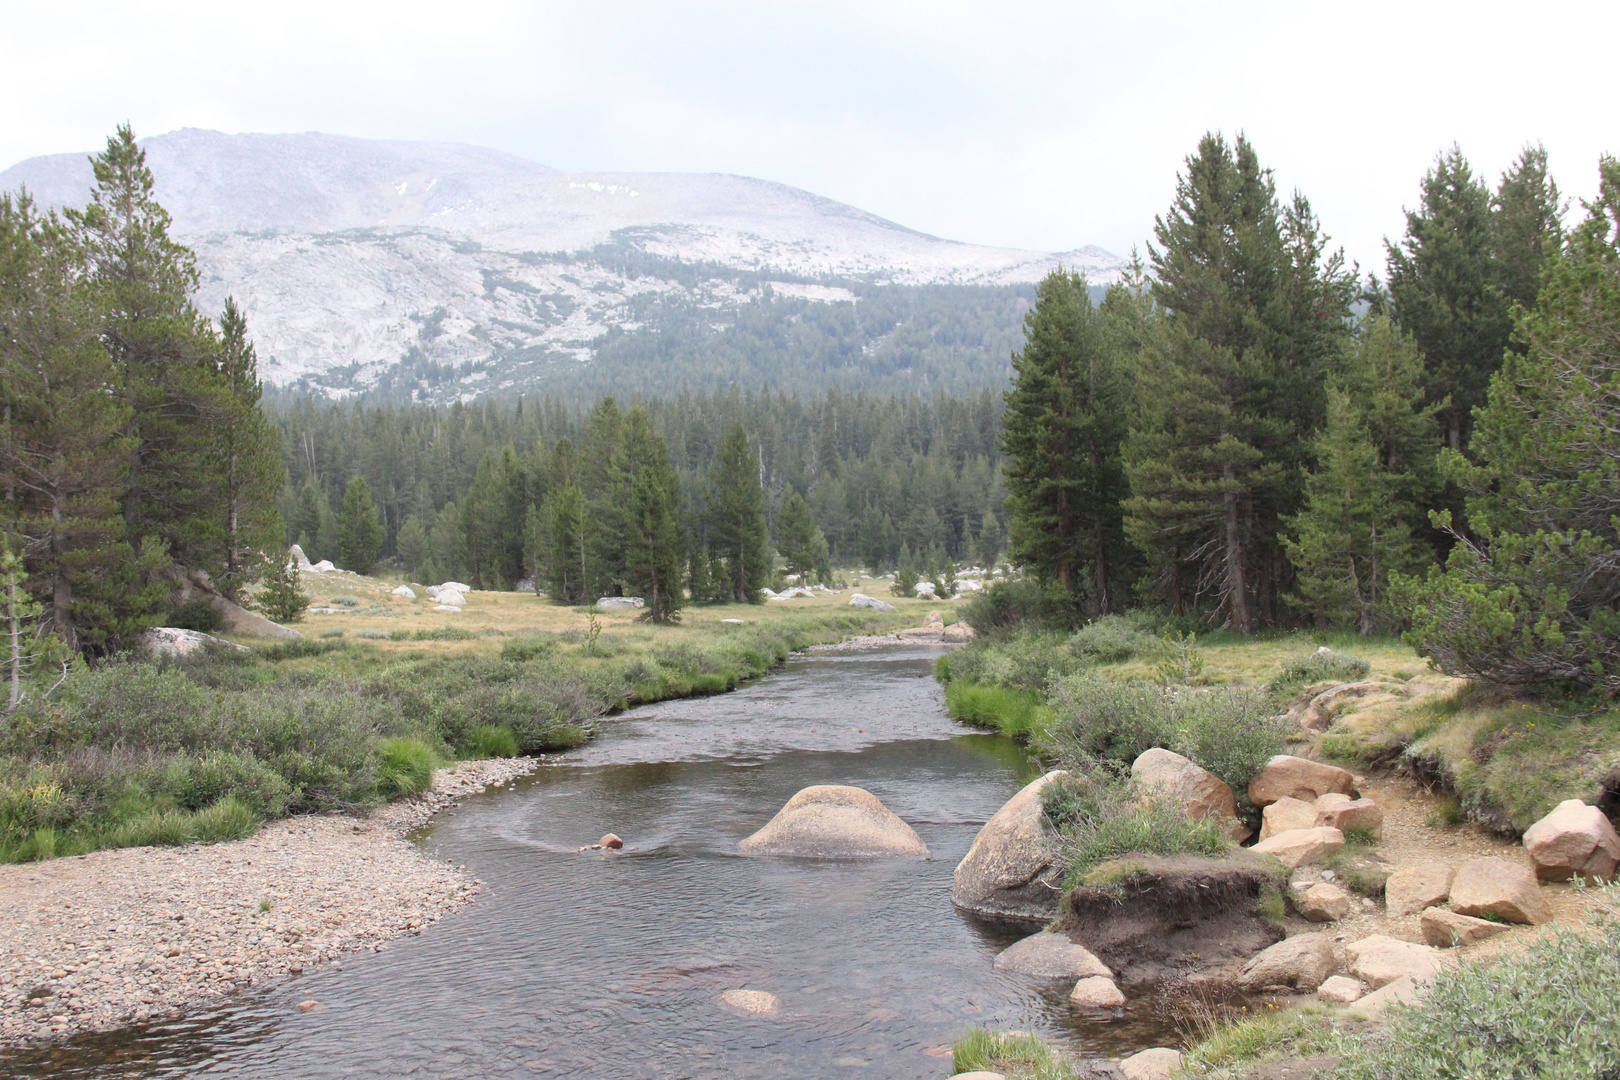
[(1313, 669), (1021, 604), (1028, 661), (344, 601), (442, 633), (194, 783), (525, 649), (492, 741), (1014, 712), (199, 614), (406, 766), (1547, 1011), (1114, 638), (1228, 1043), (373, 635), (227, 819), (1099, 818), (332, 632)]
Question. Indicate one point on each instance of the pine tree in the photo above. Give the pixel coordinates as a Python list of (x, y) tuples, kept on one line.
[(482, 522), (605, 483), (1231, 384), (737, 528), (653, 557), (1526, 226), (988, 548), (307, 523), (413, 545), (802, 545), (568, 566), (1066, 418), (246, 458), (699, 581), (905, 577), (1532, 595), (359, 531), (1441, 282), (64, 454), (282, 597)]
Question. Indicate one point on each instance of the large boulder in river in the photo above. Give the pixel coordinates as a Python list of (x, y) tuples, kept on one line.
[(1574, 839), (831, 821), (1011, 871)]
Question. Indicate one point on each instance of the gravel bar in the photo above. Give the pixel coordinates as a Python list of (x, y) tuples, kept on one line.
[(111, 938)]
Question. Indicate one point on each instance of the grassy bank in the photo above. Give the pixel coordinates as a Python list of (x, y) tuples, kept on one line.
[(137, 751)]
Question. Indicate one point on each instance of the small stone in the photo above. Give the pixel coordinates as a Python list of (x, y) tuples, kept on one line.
[(1297, 847), (1409, 891), (610, 841), (1323, 903), (1096, 992), (1404, 990), (1447, 929), (1340, 990), (308, 1006), (1157, 1063), (1493, 886), (751, 1001)]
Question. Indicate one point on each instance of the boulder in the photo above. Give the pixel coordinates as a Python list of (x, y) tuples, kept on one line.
[(1403, 991), (459, 586), (1011, 871), (1409, 891), (611, 840), (861, 600), (1301, 847), (934, 619), (1353, 814), (796, 592), (1157, 1063), (1299, 963), (239, 620), (298, 557), (923, 589), (1096, 992), (1323, 903), (1051, 956), (920, 633), (1447, 929), (1297, 778), (173, 641), (323, 567), (831, 821), (404, 592), (1340, 990), (1574, 839), (1201, 793), (1332, 798), (1380, 960), (958, 632), (1493, 886), (1286, 815), (446, 607), (619, 603), (750, 1001), (450, 598)]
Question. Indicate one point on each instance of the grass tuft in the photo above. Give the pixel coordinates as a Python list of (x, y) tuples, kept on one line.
[(1013, 1055), (406, 767)]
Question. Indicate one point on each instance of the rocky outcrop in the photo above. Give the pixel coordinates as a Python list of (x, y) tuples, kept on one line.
[(1286, 815), (173, 641), (1143, 915), (239, 620), (1301, 962), (1051, 956), (1446, 929), (1496, 887), (1323, 902), (1380, 959), (1407, 892), (861, 600), (1318, 715), (1011, 871), (1301, 847), (1574, 839), (299, 559), (831, 821), (1285, 776), (1200, 792)]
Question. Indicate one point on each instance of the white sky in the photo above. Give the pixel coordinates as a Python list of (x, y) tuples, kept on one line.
[(1035, 125)]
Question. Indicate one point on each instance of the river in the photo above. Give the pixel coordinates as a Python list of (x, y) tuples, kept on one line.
[(610, 964)]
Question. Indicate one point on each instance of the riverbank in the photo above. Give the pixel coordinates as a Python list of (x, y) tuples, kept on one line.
[(119, 937)]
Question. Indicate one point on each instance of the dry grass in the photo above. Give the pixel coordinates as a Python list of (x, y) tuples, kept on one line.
[(1232, 659)]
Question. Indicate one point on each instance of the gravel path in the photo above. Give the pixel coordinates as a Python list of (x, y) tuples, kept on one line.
[(102, 940)]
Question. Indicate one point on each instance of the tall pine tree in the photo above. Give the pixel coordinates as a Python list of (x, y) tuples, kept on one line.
[(653, 559), (246, 461), (737, 529)]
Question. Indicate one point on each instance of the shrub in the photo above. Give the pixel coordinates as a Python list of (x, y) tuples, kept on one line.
[(1322, 666), (332, 632), (194, 783), (1101, 818), (1537, 1012), (344, 601), (373, 635), (405, 767), (1108, 720), (493, 741), (1027, 662), (1113, 638), (525, 649), (1021, 604), (200, 615)]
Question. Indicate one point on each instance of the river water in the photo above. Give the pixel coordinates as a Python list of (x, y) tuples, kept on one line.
[(610, 965)]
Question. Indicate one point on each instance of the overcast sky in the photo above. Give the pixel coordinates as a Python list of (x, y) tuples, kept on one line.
[(1035, 125)]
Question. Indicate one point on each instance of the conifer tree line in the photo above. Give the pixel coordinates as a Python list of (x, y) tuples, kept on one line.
[(1245, 432), (497, 492), (131, 437)]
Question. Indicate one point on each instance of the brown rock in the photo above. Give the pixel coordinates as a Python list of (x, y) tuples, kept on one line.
[(1285, 776), (1323, 903), (1301, 847), (1201, 793), (1050, 955), (1354, 814), (1573, 839), (1332, 798), (1494, 886), (1011, 871), (308, 1006), (1096, 992), (610, 841), (935, 620), (1340, 990), (1300, 962), (958, 632), (832, 821), (1404, 991), (1410, 891), (1380, 960), (1157, 1063), (1286, 815), (1446, 929), (750, 1001)]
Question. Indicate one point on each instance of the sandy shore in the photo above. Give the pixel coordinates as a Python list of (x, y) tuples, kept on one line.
[(115, 937)]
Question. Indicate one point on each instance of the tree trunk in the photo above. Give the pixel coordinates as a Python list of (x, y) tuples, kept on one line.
[(1235, 586)]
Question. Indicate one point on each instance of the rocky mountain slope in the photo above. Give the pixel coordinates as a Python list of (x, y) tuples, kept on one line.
[(354, 256)]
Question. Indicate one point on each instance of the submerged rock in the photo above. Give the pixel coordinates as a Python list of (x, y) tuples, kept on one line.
[(1096, 992), (1051, 956), (1011, 871), (831, 821), (750, 1001)]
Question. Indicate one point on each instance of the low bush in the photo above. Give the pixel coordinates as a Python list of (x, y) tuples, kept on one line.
[(493, 741), (1100, 818), (199, 614), (1313, 669), (405, 766), (344, 601), (1027, 662), (1115, 638), (227, 819), (530, 648), (1021, 604), (332, 632)]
